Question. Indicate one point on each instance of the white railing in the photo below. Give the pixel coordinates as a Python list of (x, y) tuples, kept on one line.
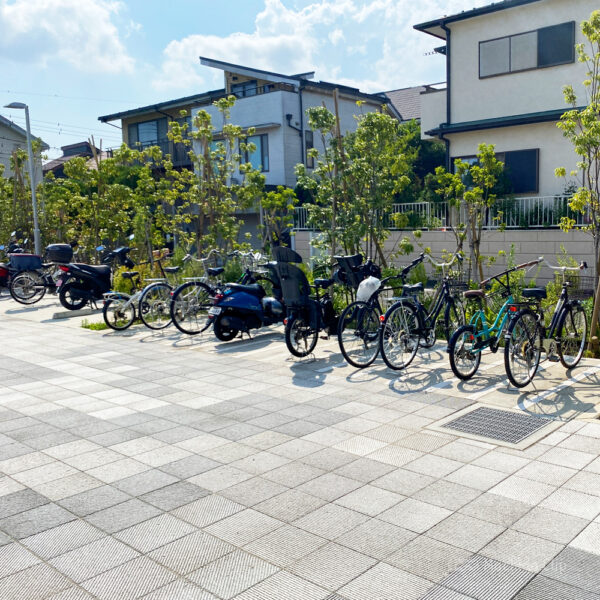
[(535, 212)]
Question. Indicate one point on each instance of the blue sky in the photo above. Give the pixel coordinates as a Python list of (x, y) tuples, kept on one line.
[(74, 60)]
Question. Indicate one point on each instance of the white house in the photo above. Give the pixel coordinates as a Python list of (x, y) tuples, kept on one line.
[(506, 65), (13, 137), (275, 105)]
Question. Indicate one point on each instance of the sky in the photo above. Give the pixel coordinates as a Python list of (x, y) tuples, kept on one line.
[(71, 61)]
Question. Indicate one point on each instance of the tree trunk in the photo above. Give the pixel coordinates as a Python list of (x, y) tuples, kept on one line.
[(596, 310)]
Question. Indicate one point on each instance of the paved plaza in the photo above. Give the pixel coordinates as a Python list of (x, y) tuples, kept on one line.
[(165, 467)]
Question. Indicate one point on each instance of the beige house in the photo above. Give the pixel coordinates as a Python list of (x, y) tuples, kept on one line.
[(506, 65)]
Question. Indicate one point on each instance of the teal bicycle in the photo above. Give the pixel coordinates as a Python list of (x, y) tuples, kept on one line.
[(469, 341)]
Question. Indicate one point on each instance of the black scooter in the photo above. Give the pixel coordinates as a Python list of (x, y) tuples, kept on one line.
[(83, 283)]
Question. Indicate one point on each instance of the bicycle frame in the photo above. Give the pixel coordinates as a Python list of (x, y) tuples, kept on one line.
[(487, 335)]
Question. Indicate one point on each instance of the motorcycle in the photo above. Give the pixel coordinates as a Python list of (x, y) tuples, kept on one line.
[(240, 308), (83, 283), (9, 268)]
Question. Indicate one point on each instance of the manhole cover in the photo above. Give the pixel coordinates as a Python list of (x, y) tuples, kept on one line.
[(503, 425)]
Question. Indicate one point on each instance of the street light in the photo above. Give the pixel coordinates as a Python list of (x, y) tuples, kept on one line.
[(36, 228)]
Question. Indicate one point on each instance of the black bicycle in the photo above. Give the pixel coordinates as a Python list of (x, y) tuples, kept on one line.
[(527, 337), (407, 324)]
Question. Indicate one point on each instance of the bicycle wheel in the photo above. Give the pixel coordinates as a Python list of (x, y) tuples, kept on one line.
[(522, 348), (27, 287), (572, 335), (454, 317), (463, 360), (358, 334), (118, 312), (300, 337), (155, 304), (189, 307), (398, 338)]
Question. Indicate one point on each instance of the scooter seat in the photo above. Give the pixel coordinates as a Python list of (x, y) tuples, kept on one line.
[(129, 274), (534, 293), (255, 289), (98, 270), (413, 289), (214, 271), (172, 269)]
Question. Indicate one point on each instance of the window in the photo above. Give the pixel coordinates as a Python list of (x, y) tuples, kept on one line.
[(259, 159), (537, 49), (521, 168), (246, 88), (308, 145), (148, 133)]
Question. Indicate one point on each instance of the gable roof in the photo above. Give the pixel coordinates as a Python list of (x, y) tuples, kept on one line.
[(435, 27), (20, 131), (407, 101)]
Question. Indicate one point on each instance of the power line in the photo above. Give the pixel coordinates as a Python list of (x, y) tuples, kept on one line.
[(66, 97), (65, 126)]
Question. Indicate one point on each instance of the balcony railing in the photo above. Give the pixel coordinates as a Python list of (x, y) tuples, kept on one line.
[(178, 152), (538, 212)]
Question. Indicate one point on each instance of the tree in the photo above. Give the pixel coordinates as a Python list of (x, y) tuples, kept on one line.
[(355, 181), (277, 210), (581, 126), (472, 188)]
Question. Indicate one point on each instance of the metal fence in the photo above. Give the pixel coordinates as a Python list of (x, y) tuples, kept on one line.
[(537, 212)]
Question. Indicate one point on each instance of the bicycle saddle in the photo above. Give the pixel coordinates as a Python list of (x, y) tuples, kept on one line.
[(172, 269), (474, 294), (411, 289), (129, 274), (214, 271), (534, 293), (323, 283)]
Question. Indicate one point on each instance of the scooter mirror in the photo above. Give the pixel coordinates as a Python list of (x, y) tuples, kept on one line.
[(132, 236), (13, 234), (2, 247), (100, 248)]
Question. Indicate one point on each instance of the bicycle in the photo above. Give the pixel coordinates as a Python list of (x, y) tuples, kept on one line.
[(527, 337), (192, 300), (468, 342), (150, 303), (407, 324)]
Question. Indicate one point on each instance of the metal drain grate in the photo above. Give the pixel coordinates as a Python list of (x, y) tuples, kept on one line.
[(502, 425)]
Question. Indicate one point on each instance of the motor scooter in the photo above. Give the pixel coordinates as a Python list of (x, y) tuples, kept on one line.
[(82, 284)]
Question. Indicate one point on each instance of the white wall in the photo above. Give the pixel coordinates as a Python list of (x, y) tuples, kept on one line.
[(433, 111), (554, 150), (513, 93)]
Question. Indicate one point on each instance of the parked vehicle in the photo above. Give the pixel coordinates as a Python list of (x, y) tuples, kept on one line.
[(241, 307), (527, 337), (5, 268), (83, 284)]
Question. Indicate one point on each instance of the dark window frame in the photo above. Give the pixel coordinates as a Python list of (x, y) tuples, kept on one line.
[(264, 151), (309, 145), (509, 37), (501, 156)]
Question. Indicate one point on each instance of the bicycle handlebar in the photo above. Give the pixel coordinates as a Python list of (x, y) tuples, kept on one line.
[(455, 257), (582, 265), (531, 263)]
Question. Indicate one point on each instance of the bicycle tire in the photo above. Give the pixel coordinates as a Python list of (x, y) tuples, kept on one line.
[(298, 329), (458, 348), (27, 287), (115, 316), (188, 301), (398, 335), (155, 305), (359, 323), (522, 348), (567, 328), (454, 317)]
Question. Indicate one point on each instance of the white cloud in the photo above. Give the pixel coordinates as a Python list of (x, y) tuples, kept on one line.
[(385, 52), (80, 33)]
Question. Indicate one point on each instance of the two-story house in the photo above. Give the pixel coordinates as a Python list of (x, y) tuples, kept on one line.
[(506, 65), (12, 138)]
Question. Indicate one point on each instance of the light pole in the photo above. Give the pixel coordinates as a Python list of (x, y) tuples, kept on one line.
[(36, 228)]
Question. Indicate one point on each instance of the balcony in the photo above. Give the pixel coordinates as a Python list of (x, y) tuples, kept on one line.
[(178, 152)]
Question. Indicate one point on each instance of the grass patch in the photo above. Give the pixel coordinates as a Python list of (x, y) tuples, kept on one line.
[(101, 326)]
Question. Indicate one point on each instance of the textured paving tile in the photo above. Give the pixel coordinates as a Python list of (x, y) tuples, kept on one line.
[(386, 583), (283, 585), (415, 515), (175, 495), (496, 509), (94, 500), (290, 505), (577, 568), (403, 482), (93, 559), (332, 566), (465, 532), (588, 539), (243, 527), (34, 583), (330, 521), (486, 579), (131, 580), (142, 483), (20, 501), (573, 503), (207, 510), (180, 590), (370, 500), (232, 574), (122, 515), (252, 491), (155, 532), (15, 558), (189, 466), (447, 494), (36, 520), (543, 588), (429, 558), (191, 552)]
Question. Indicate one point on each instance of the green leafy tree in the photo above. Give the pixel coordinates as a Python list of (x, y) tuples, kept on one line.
[(582, 128), (277, 209)]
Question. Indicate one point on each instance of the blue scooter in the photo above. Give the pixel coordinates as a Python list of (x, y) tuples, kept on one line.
[(240, 308)]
